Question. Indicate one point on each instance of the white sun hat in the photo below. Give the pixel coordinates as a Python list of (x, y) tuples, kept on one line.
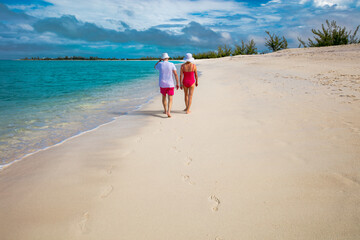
[(164, 56), (189, 58)]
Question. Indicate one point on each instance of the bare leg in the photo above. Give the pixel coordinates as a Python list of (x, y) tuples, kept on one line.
[(186, 94), (164, 103), (191, 92), (170, 105)]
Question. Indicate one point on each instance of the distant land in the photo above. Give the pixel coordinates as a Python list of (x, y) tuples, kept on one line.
[(95, 58)]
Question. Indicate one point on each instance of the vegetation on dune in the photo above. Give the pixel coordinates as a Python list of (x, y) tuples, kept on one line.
[(224, 51), (330, 35), (275, 43), (210, 54), (156, 58), (245, 48), (240, 49), (177, 58)]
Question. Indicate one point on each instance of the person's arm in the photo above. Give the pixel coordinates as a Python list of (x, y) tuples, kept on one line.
[(157, 63), (196, 76), (181, 77), (177, 79)]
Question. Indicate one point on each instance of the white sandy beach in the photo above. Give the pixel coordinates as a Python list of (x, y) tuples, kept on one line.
[(271, 150)]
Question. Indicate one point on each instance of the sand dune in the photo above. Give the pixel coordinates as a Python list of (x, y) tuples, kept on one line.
[(271, 150)]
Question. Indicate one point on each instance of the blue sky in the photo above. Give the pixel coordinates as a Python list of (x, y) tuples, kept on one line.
[(128, 28)]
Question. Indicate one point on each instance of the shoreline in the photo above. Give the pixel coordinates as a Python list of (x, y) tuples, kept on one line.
[(270, 151), (6, 165)]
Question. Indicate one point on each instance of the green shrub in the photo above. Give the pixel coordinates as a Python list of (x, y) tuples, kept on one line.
[(275, 43), (210, 54), (330, 35), (240, 50), (250, 48), (302, 43), (224, 51), (245, 49)]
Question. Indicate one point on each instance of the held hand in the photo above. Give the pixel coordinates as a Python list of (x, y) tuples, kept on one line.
[(177, 86), (181, 87), (196, 84)]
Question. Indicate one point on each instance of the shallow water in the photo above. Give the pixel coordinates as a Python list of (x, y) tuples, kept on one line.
[(44, 102)]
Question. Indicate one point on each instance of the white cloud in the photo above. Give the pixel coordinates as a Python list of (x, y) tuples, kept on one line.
[(51, 38), (23, 7), (195, 39), (103, 46), (140, 14), (226, 36), (134, 46), (271, 2), (26, 27), (338, 4)]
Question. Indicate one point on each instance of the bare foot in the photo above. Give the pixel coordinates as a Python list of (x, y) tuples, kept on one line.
[(169, 115), (188, 111), (185, 110), (164, 112)]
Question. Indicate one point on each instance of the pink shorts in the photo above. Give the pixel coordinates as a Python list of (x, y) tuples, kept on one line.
[(169, 91)]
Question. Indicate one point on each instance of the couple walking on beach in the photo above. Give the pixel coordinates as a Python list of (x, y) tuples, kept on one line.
[(188, 80)]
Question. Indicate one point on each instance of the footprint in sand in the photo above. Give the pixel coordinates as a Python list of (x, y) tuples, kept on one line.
[(83, 223), (175, 149), (107, 191), (186, 178), (218, 238), (109, 171), (179, 139), (189, 160), (139, 139), (216, 202)]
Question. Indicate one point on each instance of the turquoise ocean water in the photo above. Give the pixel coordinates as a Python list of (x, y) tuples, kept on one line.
[(45, 102)]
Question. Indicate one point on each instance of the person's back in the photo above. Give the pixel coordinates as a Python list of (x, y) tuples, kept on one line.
[(188, 69), (166, 74)]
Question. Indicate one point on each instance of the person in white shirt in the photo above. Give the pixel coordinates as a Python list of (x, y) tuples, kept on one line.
[(166, 81)]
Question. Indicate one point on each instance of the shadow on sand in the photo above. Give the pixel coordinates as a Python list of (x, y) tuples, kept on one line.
[(157, 113)]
